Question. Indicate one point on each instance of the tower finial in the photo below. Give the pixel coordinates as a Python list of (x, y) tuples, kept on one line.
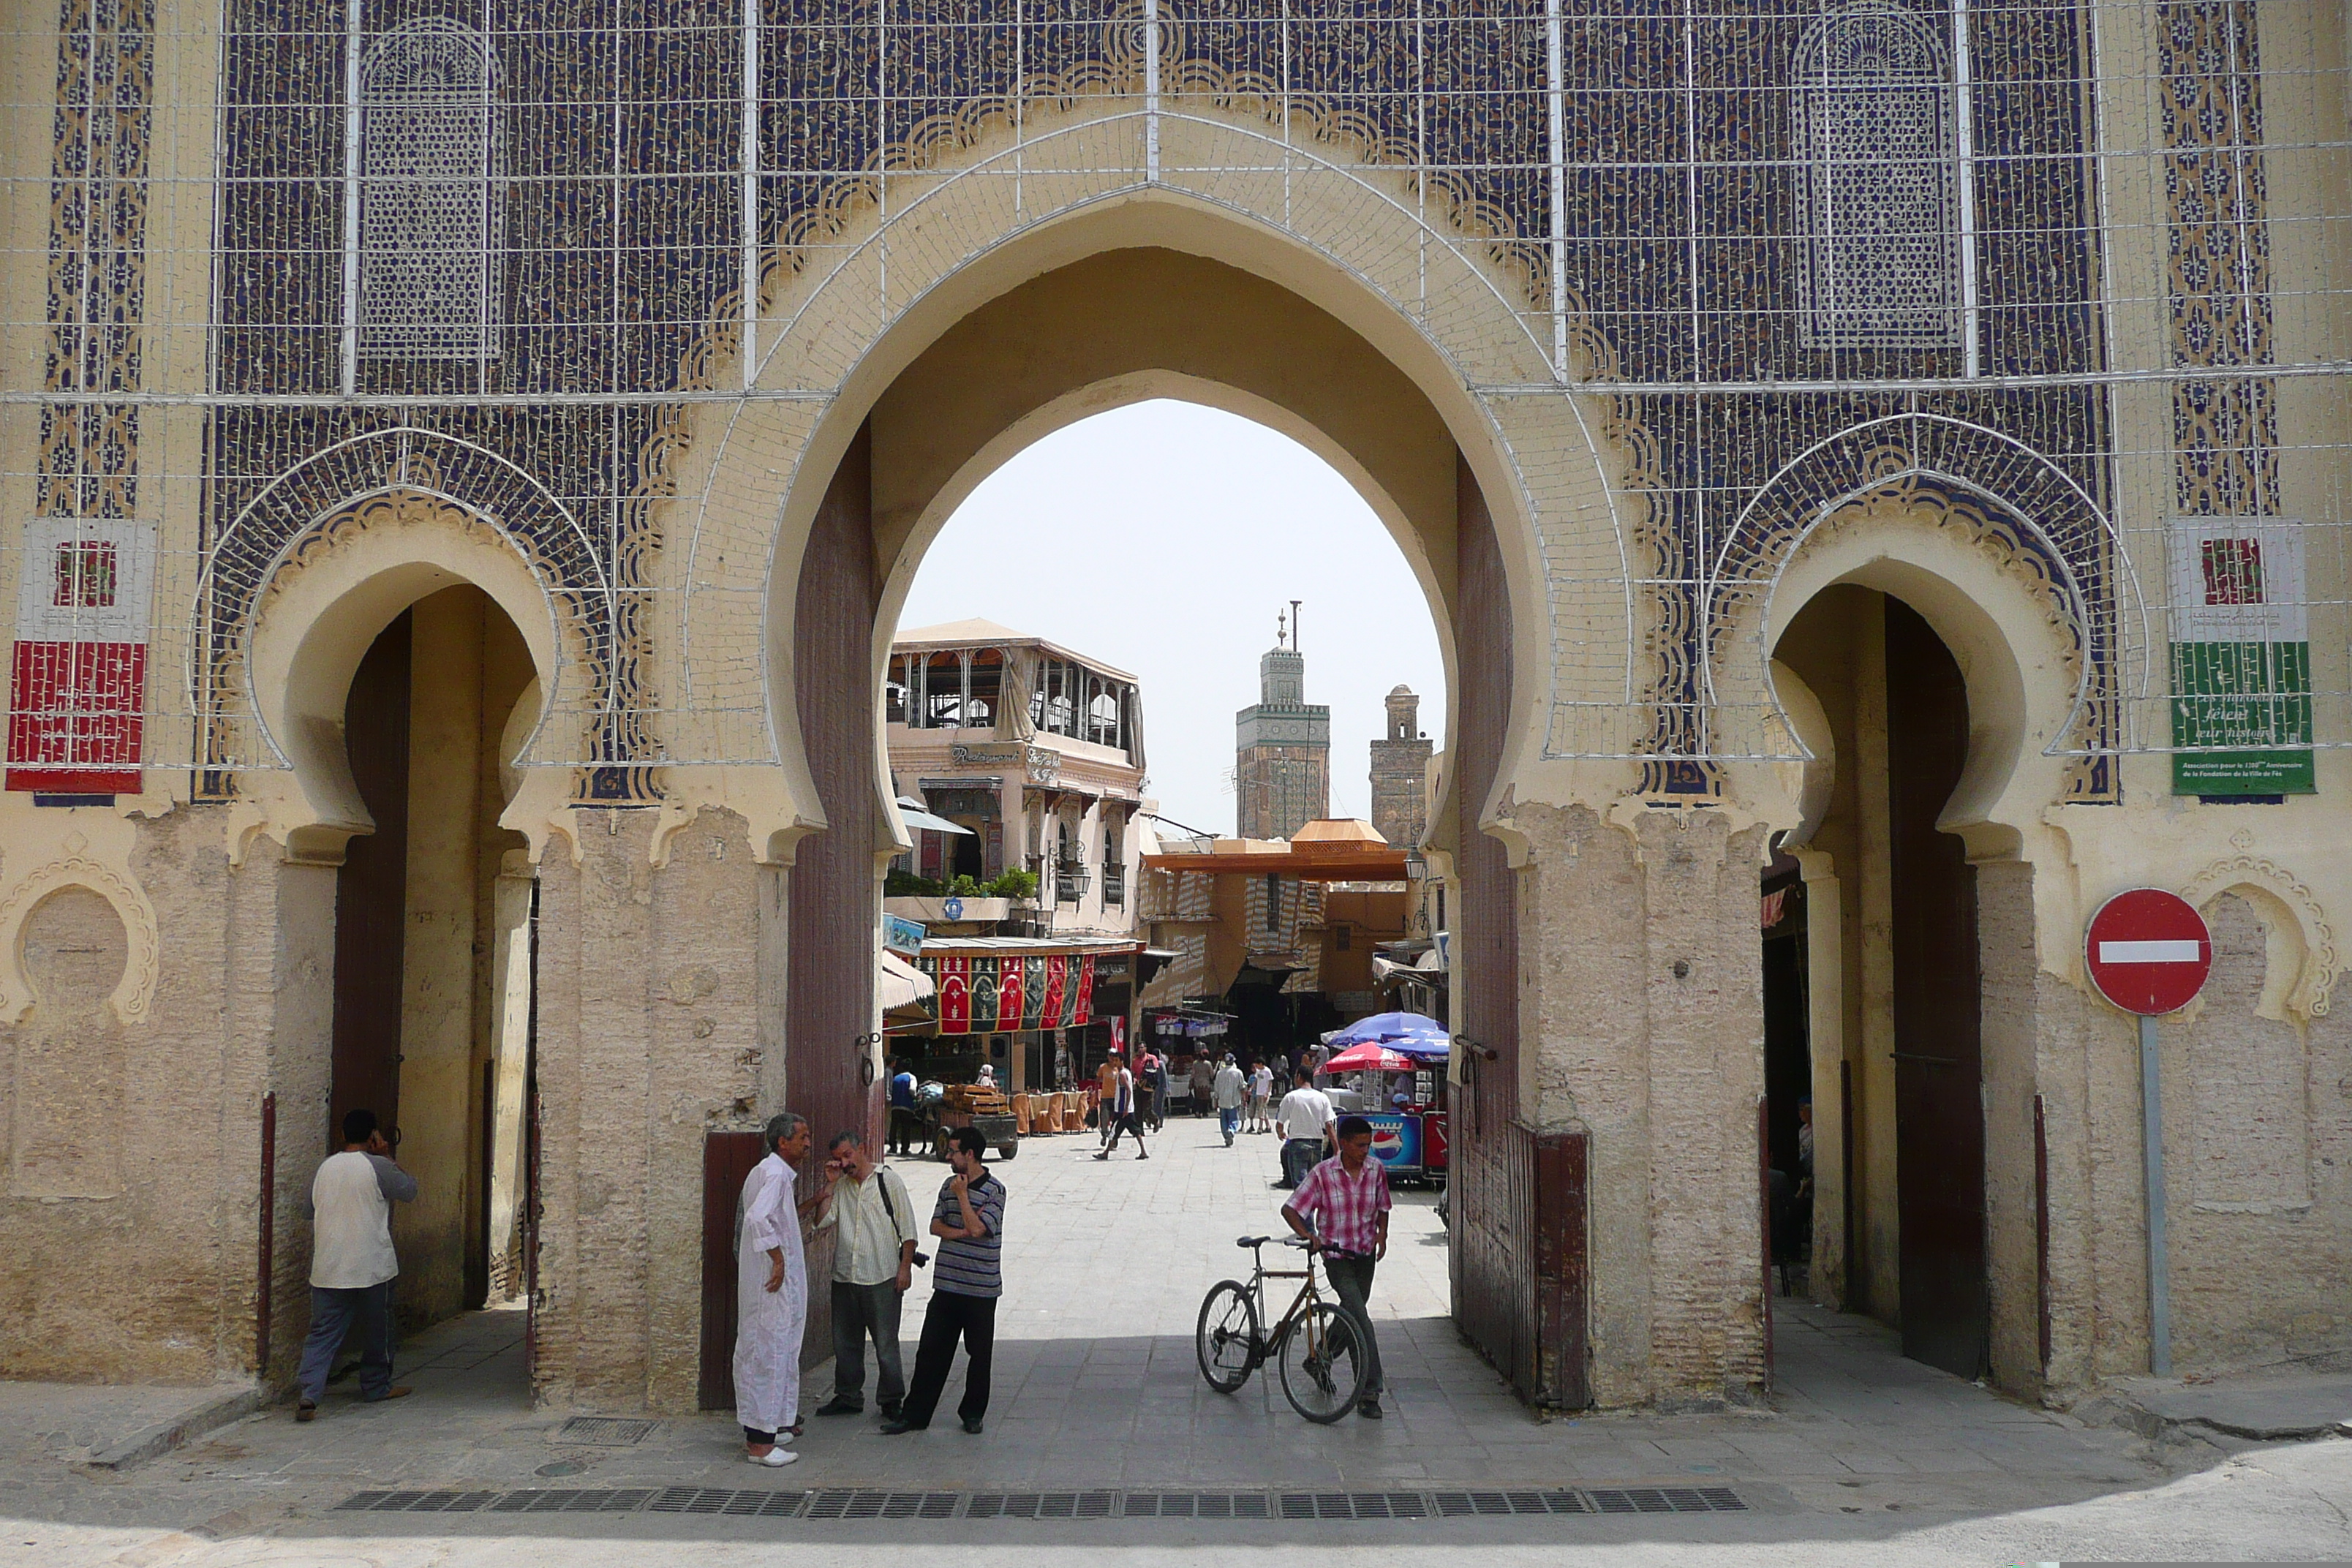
[(1278, 625)]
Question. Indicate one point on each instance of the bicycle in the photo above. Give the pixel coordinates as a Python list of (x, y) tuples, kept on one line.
[(1316, 1346)]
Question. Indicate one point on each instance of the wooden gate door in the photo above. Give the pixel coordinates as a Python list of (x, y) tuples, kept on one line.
[(371, 892), (1938, 1062), (727, 1162)]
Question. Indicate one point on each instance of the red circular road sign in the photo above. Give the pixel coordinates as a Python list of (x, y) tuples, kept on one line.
[(2148, 950)]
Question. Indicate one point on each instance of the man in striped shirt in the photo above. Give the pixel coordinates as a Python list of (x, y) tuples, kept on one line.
[(1342, 1207), (969, 1223)]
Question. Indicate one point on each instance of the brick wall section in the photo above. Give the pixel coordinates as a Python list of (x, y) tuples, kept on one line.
[(1705, 1070)]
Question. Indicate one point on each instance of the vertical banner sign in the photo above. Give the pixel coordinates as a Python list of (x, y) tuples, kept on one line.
[(1010, 994), (983, 996), (2241, 658), (78, 707), (955, 997)]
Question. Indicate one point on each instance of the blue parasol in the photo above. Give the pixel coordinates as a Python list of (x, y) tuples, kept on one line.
[(1408, 1034)]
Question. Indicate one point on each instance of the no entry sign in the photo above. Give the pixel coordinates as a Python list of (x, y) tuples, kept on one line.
[(2148, 951)]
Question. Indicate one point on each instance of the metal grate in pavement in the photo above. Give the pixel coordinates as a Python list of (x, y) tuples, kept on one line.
[(864, 1503), (605, 1431)]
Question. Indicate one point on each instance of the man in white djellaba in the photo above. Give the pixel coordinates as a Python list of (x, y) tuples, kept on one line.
[(770, 1297)]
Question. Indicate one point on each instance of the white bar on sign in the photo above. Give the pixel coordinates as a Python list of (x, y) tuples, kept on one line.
[(2148, 952)]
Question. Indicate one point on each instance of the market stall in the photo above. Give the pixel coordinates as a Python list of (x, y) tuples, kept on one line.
[(1393, 1057)]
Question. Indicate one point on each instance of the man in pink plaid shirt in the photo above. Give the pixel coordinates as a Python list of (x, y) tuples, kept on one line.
[(1342, 1207)]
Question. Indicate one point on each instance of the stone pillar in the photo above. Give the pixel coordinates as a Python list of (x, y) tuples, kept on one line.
[(276, 1033), (2009, 975), (1642, 1020), (648, 1035)]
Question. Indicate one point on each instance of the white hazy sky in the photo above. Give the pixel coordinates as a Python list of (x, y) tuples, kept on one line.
[(1162, 537)]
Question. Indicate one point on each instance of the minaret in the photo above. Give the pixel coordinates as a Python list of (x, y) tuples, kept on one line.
[(1400, 766), (1282, 756)]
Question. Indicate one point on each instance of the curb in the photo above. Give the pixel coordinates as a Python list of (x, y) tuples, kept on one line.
[(2116, 1409), (163, 1437)]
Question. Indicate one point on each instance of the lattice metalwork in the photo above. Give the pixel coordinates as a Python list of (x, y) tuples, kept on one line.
[(2065, 281), (1873, 124), (429, 201)]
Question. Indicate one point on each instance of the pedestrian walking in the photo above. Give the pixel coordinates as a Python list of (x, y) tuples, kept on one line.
[(1204, 1082), (353, 1264), (1231, 1091), (1342, 1207), (1305, 1116), (1261, 1098), (1106, 1095), (770, 1296), (873, 1219), (1119, 1113), (969, 1220), (906, 1126)]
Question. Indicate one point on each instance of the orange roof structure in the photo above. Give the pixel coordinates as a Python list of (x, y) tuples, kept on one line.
[(1335, 850)]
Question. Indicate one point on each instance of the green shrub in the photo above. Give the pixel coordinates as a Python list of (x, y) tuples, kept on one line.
[(1014, 885), (897, 884)]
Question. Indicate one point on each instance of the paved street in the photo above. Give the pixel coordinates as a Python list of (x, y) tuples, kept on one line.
[(1862, 1457)]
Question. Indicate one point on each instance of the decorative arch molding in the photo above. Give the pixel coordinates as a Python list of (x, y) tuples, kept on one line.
[(2046, 530), (331, 594), (831, 342), (136, 989), (2307, 992), (1999, 622), (408, 479)]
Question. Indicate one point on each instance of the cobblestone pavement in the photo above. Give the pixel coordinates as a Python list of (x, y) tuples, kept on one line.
[(1862, 1455)]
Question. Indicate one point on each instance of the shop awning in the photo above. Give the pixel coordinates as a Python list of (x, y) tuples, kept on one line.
[(918, 817), (899, 983)]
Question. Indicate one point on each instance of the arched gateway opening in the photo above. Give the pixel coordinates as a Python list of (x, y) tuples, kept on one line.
[(1052, 345)]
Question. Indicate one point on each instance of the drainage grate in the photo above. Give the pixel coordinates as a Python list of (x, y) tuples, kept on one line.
[(605, 1431), (861, 1503), (1354, 1505)]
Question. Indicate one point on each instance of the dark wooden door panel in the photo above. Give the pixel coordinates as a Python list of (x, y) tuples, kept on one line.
[(727, 1161), (372, 890), (834, 891), (1938, 1112)]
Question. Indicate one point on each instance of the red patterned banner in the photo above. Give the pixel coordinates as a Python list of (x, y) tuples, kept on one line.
[(991, 995)]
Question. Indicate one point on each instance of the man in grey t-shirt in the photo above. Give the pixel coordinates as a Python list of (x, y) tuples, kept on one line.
[(353, 1264)]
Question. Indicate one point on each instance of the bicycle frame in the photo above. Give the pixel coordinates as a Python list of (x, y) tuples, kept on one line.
[(1307, 1297)]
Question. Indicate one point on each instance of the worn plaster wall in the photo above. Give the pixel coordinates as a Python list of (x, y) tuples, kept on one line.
[(1641, 1012), (2258, 1158), (648, 1037)]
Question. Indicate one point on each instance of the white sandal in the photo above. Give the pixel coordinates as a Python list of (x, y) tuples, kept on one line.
[(773, 1459)]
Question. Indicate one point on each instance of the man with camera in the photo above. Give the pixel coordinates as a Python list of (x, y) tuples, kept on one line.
[(874, 1260)]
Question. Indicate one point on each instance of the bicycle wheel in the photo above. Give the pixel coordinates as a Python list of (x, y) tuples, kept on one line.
[(1226, 1340), (1322, 1364)]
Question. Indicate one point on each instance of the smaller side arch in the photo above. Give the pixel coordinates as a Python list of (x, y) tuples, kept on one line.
[(2015, 503), (313, 505), (324, 606), (2280, 895), (2014, 654), (136, 989)]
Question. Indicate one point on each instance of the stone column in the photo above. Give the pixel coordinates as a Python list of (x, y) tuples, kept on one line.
[(1642, 1021), (647, 1036), (275, 1026)]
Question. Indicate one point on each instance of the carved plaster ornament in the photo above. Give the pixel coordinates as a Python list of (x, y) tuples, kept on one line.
[(142, 949), (2308, 995)]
